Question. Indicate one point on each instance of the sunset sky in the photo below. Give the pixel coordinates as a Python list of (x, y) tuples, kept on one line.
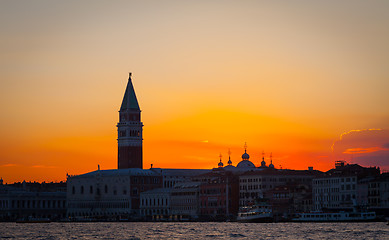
[(307, 81)]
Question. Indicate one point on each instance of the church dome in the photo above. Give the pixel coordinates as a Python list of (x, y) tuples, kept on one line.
[(229, 168), (220, 164), (245, 164), (263, 163), (245, 156)]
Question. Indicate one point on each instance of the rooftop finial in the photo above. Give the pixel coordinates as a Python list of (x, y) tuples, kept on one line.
[(129, 74), (245, 147), (229, 157), (220, 164)]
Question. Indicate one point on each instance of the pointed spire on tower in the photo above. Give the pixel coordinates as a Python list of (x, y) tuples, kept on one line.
[(130, 101)]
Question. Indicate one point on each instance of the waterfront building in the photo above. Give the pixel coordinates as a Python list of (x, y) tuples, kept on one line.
[(185, 201), (155, 204), (109, 193), (218, 194), (339, 190), (23, 203), (334, 192), (172, 176), (256, 183), (286, 200), (378, 194)]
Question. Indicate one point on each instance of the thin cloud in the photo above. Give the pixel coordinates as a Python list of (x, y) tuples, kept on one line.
[(352, 131), (363, 150), (43, 166), (9, 165)]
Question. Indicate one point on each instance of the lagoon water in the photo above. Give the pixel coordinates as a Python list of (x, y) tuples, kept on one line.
[(208, 230)]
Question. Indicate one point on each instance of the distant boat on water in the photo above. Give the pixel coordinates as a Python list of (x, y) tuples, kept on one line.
[(260, 212), (335, 217)]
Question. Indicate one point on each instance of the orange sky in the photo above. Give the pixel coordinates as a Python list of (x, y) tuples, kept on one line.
[(291, 78)]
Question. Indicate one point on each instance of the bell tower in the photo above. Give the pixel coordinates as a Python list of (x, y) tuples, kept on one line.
[(130, 128)]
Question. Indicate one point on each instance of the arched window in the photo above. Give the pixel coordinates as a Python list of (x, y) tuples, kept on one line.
[(82, 189), (106, 189), (73, 190), (91, 189)]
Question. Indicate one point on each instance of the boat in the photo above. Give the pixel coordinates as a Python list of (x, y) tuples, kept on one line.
[(260, 212), (335, 217)]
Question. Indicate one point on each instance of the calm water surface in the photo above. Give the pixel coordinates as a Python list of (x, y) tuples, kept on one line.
[(151, 230)]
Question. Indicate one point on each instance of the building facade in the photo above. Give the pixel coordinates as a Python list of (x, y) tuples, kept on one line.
[(256, 183), (27, 204), (155, 204), (109, 194), (185, 202)]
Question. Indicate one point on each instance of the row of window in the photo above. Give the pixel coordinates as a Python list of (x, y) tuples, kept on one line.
[(343, 197), (144, 180), (132, 133), (33, 203), (154, 202), (103, 205), (347, 187), (326, 190), (282, 179), (333, 180), (149, 212), (254, 187), (249, 194), (184, 193), (98, 192), (97, 213)]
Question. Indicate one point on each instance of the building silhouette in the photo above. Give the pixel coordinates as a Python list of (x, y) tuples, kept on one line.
[(130, 154)]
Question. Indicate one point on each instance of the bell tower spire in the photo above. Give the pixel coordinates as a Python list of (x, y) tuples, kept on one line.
[(130, 127)]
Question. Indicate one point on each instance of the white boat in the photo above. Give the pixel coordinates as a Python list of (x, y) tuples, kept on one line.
[(255, 213), (335, 217)]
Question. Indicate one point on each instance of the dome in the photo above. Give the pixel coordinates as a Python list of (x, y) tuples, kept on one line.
[(245, 164), (229, 168), (229, 162), (271, 163), (263, 163), (245, 156), (220, 164)]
